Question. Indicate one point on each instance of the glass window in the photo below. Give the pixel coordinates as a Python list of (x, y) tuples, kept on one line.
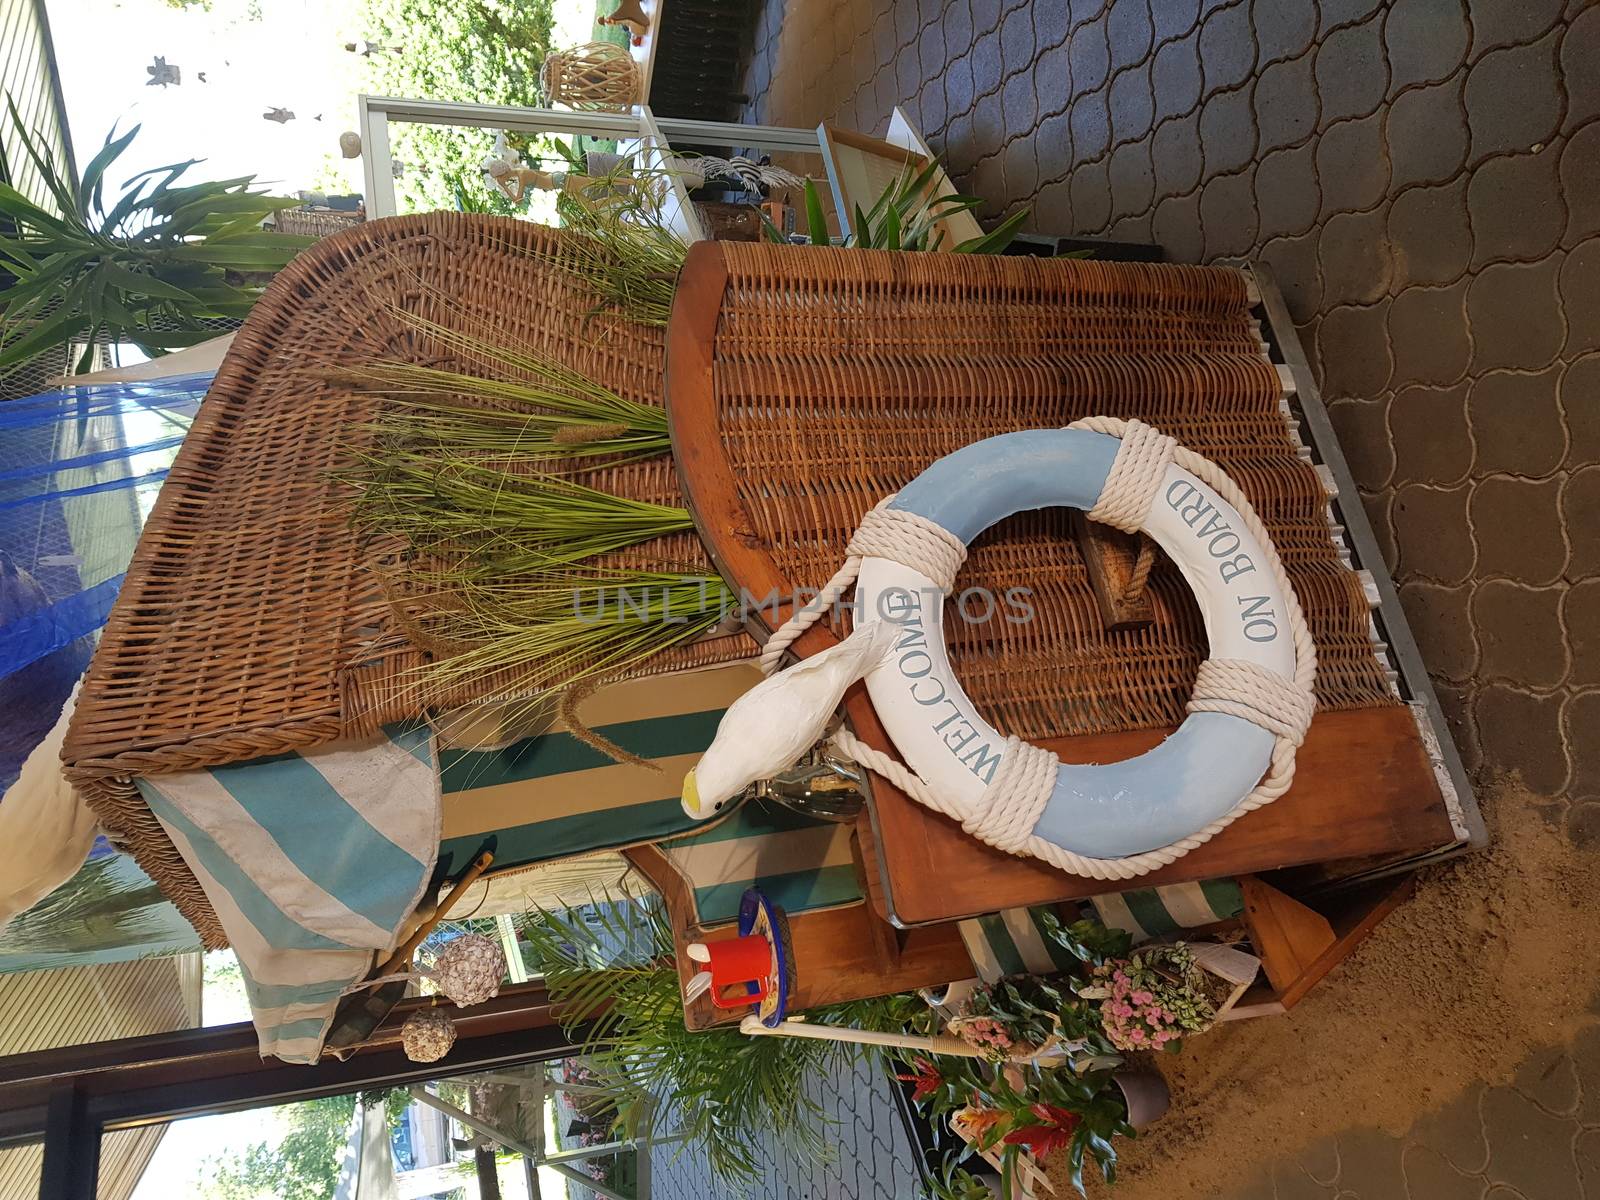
[(540, 1129)]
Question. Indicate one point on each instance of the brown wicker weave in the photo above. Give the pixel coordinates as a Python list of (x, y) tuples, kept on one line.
[(838, 377), (248, 623)]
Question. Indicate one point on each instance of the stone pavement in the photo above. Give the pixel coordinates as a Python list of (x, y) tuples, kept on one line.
[(1423, 176), (1535, 1139), (874, 1158)]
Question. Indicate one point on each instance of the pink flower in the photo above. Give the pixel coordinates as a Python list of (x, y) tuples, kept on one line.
[(1143, 997)]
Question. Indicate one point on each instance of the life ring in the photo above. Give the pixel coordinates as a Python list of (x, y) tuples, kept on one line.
[(1204, 772), (1234, 752)]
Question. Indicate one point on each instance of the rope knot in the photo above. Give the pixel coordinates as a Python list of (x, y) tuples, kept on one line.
[(1011, 805), (1136, 473), (884, 532), (1256, 694), (912, 541)]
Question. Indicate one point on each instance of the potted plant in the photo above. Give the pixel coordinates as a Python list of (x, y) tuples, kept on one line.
[(151, 267), (1016, 1115), (1154, 997)]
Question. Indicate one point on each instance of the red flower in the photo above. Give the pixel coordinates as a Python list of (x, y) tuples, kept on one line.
[(927, 1079), (1054, 1130)]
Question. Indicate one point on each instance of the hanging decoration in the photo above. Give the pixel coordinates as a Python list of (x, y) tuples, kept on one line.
[(630, 15), (469, 970), (427, 1035), (162, 73)]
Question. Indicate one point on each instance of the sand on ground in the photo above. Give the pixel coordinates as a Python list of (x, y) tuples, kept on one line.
[(1493, 958)]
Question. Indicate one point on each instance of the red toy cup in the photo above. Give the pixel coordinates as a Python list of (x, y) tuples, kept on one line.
[(738, 962)]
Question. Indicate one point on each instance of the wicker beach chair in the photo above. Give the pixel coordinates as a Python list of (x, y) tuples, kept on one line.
[(252, 622)]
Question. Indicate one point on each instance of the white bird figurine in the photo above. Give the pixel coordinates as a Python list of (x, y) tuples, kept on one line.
[(774, 723)]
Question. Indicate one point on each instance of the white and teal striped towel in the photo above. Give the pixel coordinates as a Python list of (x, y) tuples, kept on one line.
[(312, 862)]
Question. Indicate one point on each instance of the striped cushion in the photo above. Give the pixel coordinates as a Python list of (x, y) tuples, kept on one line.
[(1014, 942), (799, 862), (552, 796), (1156, 912)]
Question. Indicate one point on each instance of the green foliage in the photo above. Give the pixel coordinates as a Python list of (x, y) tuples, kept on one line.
[(305, 1162), (624, 250), (1090, 942), (304, 1165), (472, 474), (475, 51), (1037, 1106), (906, 216), (160, 251), (728, 1091)]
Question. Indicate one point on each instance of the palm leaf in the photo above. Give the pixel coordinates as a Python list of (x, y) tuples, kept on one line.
[(91, 187), (816, 220), (997, 239)]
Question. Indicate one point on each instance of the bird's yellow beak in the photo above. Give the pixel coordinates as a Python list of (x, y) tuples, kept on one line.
[(691, 796)]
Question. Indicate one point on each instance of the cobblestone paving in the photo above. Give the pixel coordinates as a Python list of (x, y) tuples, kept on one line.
[(1423, 177), (873, 1159)]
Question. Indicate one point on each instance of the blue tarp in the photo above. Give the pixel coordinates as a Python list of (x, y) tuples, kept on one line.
[(79, 472)]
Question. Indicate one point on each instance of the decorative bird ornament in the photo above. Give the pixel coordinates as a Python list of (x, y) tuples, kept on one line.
[(774, 723), (631, 15)]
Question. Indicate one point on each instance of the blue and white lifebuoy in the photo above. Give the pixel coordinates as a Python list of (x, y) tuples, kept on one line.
[(1192, 780), (1234, 751)]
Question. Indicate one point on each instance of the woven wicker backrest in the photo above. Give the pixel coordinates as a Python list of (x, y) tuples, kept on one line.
[(837, 377), (250, 622)]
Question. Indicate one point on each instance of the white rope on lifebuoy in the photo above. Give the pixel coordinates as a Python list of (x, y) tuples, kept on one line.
[(884, 532), (1009, 807)]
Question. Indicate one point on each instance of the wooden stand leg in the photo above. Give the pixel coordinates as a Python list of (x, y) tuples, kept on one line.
[(1288, 936), (1298, 945)]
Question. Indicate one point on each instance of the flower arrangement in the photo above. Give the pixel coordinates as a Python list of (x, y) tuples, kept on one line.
[(1021, 1110), (1152, 998), (1017, 1104)]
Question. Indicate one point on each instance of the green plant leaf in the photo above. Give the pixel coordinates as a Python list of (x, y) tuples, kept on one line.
[(31, 145), (52, 331), (772, 232), (891, 229), (25, 212), (172, 339), (91, 187), (997, 239), (816, 219), (139, 283), (244, 257)]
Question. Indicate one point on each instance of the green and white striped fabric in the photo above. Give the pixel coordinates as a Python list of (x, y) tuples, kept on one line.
[(553, 796), (1148, 913), (1014, 942), (312, 863), (800, 863)]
